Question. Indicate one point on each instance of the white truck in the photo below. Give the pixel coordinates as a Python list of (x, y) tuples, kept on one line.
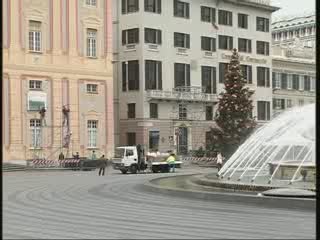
[(132, 159)]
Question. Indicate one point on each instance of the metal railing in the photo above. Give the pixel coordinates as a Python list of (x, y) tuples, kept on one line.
[(183, 93)]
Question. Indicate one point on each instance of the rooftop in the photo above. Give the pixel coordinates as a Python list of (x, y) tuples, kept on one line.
[(293, 20)]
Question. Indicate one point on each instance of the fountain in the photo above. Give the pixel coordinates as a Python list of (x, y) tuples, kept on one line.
[(281, 153)]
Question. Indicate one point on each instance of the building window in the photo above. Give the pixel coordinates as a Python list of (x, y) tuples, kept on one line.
[(225, 42), (263, 77), (244, 45), (278, 104), (247, 73), (301, 102), (153, 71), (263, 110), (181, 75), (307, 83), (152, 6), (263, 48), (35, 128), (243, 20), (35, 85), (209, 113), (289, 103), (295, 82), (91, 3), (152, 36), (182, 112), (181, 9), (181, 40), (130, 75), (276, 82), (92, 133), (208, 14), (262, 24), (92, 88), (131, 138), (225, 17), (131, 110), (130, 6), (284, 81), (130, 36), (153, 110), (223, 69), (208, 44), (35, 36), (154, 137), (208, 79), (91, 43)]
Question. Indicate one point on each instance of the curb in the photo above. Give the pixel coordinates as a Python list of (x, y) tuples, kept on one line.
[(233, 198)]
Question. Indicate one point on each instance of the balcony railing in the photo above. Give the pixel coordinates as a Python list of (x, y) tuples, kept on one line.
[(195, 94)]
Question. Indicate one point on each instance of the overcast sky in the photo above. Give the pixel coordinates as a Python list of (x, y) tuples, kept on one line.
[(292, 7)]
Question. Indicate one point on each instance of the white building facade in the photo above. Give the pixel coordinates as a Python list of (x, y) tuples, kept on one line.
[(170, 58), (293, 62)]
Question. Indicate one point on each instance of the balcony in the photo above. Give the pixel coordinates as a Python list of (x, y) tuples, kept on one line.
[(191, 94)]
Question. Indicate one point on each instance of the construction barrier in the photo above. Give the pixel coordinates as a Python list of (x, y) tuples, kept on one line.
[(200, 160)]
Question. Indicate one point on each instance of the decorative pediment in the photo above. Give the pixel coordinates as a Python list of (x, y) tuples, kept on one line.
[(35, 14), (92, 20)]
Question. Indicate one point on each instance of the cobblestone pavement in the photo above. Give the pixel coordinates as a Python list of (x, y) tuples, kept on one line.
[(82, 205)]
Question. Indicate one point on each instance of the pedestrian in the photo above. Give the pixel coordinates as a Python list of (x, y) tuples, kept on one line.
[(219, 160), (77, 158), (102, 166), (171, 162), (93, 156), (150, 160), (61, 158)]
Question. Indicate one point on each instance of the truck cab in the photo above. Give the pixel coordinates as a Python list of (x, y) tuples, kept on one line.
[(129, 159)]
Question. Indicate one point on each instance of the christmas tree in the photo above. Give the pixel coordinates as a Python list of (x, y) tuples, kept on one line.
[(234, 113)]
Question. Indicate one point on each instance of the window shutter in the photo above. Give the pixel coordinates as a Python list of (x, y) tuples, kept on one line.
[(159, 6), (124, 77), (213, 15), (175, 11), (124, 40), (268, 77), (145, 5), (273, 79), (220, 72), (159, 37), (137, 35), (214, 80), (159, 75), (267, 46), (187, 10), (230, 17), (282, 104), (250, 74), (137, 4), (202, 13), (146, 74), (249, 45), (268, 110), (284, 81), (188, 40), (175, 74), (123, 6), (188, 74), (231, 43), (267, 25), (274, 100), (202, 43), (136, 63)]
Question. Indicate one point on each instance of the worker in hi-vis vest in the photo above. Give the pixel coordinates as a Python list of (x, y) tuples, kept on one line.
[(171, 161)]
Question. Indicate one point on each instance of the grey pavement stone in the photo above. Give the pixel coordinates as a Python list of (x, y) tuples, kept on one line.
[(82, 205)]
